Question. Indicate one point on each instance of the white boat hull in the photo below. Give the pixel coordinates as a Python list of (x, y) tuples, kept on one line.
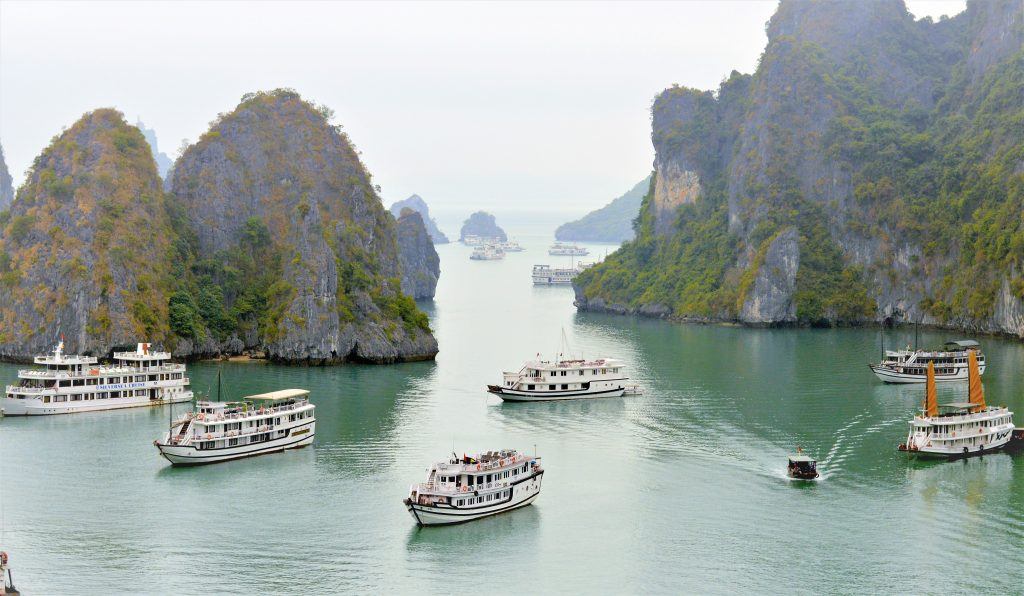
[(190, 455), (889, 375), (36, 406), (936, 450), (517, 395), (523, 494)]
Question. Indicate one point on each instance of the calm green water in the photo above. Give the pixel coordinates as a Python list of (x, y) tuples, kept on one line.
[(681, 489)]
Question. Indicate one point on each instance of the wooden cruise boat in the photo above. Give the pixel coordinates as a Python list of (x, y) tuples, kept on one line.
[(563, 249), (957, 430), (472, 487), (255, 425), (543, 380), (801, 466), (546, 275), (910, 366), (487, 252)]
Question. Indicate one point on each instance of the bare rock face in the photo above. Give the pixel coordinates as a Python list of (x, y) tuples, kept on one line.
[(84, 247), (420, 264), (6, 188), (771, 297), (273, 182)]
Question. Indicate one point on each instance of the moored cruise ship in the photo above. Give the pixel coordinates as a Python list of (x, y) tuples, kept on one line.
[(911, 366), (255, 425), (511, 246), (68, 384), (471, 487), (563, 249), (543, 380), (487, 252), (958, 429), (546, 275)]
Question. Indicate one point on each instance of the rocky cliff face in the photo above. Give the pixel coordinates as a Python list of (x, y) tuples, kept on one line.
[(287, 244), (482, 224), (417, 204), (6, 187), (874, 158), (419, 262), (84, 248), (611, 223)]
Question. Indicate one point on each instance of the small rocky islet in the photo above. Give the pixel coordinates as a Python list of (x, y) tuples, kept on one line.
[(271, 238), (417, 204), (483, 225)]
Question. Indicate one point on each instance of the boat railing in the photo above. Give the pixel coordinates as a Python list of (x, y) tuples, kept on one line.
[(91, 388), (253, 413), (98, 371), (232, 434), (1000, 411)]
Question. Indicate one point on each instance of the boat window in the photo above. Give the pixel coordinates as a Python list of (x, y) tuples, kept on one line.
[(551, 387), (565, 386), (529, 387)]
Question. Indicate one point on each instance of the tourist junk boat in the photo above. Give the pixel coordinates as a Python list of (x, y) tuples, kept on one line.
[(468, 488), (6, 578), (563, 249), (802, 467), (511, 246), (910, 366), (542, 380), (487, 252), (69, 384), (958, 429), (546, 275), (255, 425)]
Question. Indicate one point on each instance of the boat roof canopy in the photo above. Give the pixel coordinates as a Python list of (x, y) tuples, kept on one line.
[(963, 343), (281, 395), (959, 405), (801, 458)]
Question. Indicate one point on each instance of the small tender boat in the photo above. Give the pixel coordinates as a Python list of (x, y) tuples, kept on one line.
[(957, 430), (802, 467), (563, 249), (910, 366), (487, 252), (257, 424), (471, 487)]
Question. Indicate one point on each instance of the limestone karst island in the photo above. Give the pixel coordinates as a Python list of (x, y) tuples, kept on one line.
[(681, 297)]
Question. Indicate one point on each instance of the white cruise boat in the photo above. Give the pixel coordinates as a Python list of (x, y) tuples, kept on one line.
[(958, 429), (487, 252), (546, 275), (468, 488), (563, 249), (68, 384), (474, 240), (910, 366), (255, 425), (542, 380), (511, 246)]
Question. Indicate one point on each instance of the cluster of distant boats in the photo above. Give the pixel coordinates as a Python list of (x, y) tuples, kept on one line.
[(491, 249)]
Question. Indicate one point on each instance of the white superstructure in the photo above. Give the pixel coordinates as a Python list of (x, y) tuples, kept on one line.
[(67, 384), (910, 366), (511, 246), (471, 487), (563, 249), (474, 240), (258, 424), (958, 429), (543, 380), (546, 275), (487, 252)]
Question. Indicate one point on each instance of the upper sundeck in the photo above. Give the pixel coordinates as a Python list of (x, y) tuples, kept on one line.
[(253, 406), (960, 413), (545, 365)]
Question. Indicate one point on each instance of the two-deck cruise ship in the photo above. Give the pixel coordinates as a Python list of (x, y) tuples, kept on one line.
[(543, 380), (563, 249), (546, 275), (911, 366), (487, 252), (258, 424), (958, 429), (68, 384), (471, 487)]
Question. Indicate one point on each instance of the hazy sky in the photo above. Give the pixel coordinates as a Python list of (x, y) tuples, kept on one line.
[(501, 106)]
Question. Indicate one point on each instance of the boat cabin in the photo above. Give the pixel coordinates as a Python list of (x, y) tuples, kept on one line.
[(802, 466)]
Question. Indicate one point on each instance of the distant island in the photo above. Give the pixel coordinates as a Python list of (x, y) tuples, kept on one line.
[(482, 224), (163, 163), (417, 204), (611, 223)]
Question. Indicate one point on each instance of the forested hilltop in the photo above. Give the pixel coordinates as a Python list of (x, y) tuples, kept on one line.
[(871, 169), (611, 223), (272, 239)]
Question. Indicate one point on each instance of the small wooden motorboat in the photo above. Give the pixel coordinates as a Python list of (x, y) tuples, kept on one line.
[(802, 467), (6, 579)]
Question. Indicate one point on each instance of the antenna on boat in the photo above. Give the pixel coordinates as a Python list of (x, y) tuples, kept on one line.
[(916, 328)]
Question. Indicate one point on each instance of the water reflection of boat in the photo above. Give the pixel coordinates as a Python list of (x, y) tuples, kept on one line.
[(958, 429)]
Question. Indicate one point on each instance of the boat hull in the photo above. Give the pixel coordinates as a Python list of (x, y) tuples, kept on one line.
[(522, 396), (190, 455), (36, 407), (958, 453), (892, 376), (523, 494)]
